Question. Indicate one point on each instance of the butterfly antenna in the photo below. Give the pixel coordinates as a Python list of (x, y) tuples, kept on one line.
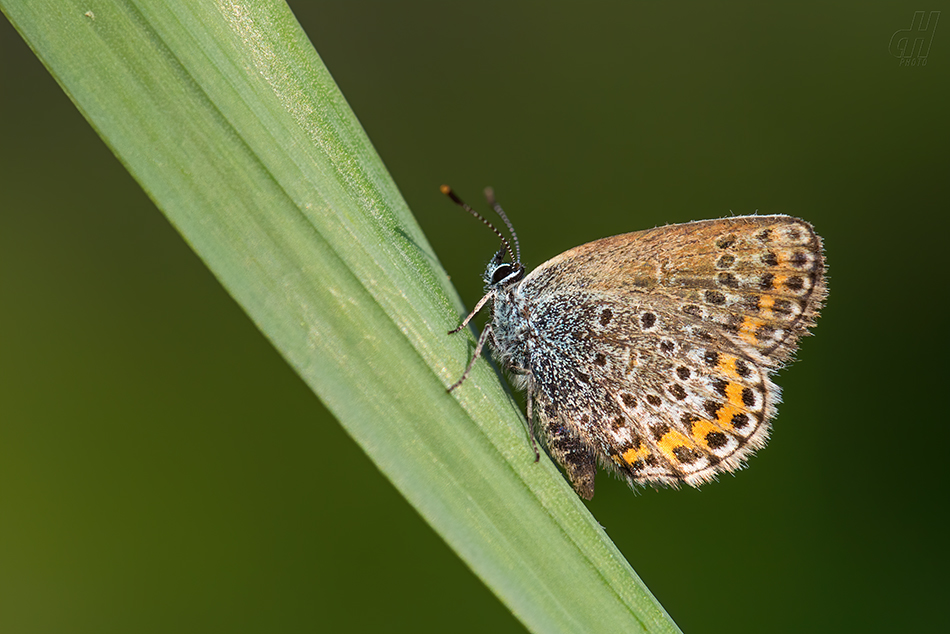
[(490, 196), (458, 201)]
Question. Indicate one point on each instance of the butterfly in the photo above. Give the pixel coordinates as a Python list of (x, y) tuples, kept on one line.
[(650, 353)]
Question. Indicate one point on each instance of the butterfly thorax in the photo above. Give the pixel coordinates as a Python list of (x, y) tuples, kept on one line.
[(502, 280), (510, 331)]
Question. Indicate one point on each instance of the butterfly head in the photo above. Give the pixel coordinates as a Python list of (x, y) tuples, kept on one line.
[(499, 274)]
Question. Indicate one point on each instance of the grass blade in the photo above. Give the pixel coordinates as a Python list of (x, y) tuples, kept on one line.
[(228, 119)]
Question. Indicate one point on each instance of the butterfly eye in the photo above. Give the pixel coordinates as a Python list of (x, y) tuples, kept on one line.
[(501, 272)]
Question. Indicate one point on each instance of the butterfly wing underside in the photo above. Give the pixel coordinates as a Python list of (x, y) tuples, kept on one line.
[(650, 352)]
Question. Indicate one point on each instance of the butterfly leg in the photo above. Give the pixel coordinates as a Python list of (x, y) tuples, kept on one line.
[(534, 442), (478, 307), (478, 347)]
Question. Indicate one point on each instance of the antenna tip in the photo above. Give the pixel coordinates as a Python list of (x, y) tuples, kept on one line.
[(445, 189)]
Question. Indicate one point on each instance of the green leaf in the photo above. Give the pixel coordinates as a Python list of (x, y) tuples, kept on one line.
[(228, 119)]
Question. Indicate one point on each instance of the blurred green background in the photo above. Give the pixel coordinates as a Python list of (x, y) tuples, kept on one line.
[(162, 469)]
